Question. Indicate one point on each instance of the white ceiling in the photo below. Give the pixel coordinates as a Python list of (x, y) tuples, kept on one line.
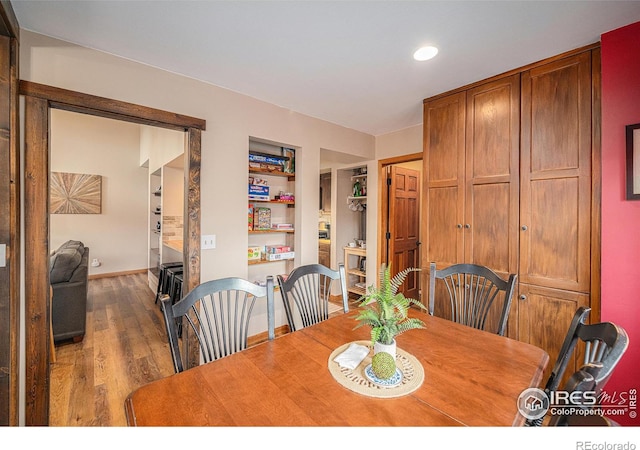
[(347, 62)]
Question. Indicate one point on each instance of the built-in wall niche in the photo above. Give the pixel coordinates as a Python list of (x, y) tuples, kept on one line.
[(271, 208)]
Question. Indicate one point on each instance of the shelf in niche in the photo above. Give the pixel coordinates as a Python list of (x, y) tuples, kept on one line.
[(291, 176), (357, 290), (270, 231), (254, 262), (274, 202)]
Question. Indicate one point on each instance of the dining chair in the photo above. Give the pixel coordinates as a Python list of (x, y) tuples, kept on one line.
[(218, 313), (306, 293), (475, 294), (590, 378), (604, 345), (164, 278)]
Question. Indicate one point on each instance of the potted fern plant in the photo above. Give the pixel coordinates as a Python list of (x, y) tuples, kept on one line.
[(386, 310)]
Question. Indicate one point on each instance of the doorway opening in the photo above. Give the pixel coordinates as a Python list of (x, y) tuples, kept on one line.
[(400, 206), (39, 100)]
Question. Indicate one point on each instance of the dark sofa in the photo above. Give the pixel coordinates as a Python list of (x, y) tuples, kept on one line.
[(68, 275)]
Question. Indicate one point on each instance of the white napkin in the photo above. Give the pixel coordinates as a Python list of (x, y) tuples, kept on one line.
[(352, 356)]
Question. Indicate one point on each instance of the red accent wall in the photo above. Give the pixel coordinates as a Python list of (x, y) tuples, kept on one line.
[(620, 217)]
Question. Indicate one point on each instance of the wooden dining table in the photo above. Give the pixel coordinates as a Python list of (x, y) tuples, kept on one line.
[(471, 378)]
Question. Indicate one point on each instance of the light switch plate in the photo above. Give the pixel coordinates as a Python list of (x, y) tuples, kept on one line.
[(3, 255), (208, 241)]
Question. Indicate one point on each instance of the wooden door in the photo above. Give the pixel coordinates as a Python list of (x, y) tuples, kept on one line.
[(404, 226), (443, 203), (555, 208), (555, 205), (492, 177)]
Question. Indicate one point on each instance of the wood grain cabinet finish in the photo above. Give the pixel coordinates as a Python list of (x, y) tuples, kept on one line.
[(555, 202), (471, 167), (443, 159), (509, 165)]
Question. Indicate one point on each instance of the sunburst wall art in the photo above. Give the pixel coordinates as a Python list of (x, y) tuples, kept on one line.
[(75, 193)]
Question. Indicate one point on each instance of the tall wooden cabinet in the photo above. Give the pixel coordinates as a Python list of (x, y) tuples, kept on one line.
[(555, 199), (509, 165), (471, 178)]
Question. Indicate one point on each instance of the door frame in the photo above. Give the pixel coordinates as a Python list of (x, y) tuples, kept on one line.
[(39, 99), (383, 200), (9, 218)]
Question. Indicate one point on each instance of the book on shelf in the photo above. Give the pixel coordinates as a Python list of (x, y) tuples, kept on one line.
[(272, 249), (268, 159), (285, 197), (282, 226), (262, 219), (254, 253), (258, 192), (258, 181), (279, 256)]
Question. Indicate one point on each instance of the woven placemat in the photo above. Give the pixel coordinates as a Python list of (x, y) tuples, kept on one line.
[(356, 381)]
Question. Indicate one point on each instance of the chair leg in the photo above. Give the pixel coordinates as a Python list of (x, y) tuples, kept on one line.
[(176, 295), (160, 288)]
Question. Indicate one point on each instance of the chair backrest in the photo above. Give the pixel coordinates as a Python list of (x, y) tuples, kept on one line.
[(306, 292), (218, 313), (605, 343), (475, 292), (566, 351)]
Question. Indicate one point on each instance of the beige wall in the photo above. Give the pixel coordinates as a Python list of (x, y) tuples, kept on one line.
[(398, 143), (86, 144), (231, 119)]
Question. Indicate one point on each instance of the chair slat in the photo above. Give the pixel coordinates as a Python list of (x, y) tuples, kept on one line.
[(474, 292), (218, 313), (306, 293)]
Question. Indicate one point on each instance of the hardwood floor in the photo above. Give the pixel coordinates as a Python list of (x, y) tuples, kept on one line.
[(125, 347)]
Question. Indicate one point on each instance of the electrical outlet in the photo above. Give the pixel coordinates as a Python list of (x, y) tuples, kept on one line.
[(208, 241)]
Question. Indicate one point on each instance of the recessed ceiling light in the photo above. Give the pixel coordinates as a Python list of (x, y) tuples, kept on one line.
[(425, 53)]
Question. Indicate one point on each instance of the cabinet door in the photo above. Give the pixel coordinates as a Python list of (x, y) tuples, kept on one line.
[(555, 214), (544, 318), (443, 202), (491, 175)]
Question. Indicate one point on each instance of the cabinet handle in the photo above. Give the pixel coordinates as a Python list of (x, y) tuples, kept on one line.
[(467, 226), (524, 228), (459, 225), (523, 297)]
